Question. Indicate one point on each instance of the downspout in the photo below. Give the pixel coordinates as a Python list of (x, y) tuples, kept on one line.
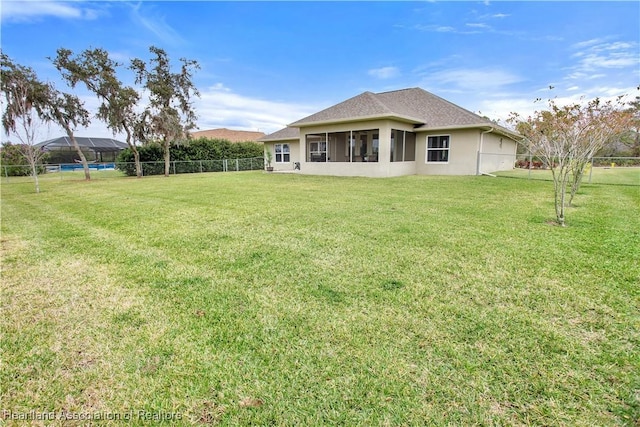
[(478, 172)]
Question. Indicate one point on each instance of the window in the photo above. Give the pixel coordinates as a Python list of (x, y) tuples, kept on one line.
[(438, 149), (403, 146), (343, 146), (365, 145), (283, 154), (317, 147)]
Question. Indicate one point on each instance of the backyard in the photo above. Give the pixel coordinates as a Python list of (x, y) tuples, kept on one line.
[(248, 298)]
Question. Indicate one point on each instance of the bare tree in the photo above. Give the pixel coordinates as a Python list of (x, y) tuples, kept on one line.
[(170, 115), (565, 138), (632, 137), (21, 89), (97, 71)]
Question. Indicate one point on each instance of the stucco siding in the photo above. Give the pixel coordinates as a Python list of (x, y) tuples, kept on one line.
[(463, 153), (294, 151), (498, 153)]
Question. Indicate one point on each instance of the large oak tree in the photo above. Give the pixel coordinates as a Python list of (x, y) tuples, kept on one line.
[(98, 72), (170, 114)]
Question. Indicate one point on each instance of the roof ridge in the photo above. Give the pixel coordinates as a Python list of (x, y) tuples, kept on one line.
[(399, 90), (454, 105), (375, 98)]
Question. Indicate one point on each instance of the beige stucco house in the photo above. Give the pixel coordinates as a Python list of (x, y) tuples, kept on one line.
[(402, 132)]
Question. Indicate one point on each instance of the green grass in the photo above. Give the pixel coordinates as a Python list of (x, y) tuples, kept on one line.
[(599, 175), (267, 299)]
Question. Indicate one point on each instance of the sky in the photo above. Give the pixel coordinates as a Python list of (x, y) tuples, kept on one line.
[(266, 64)]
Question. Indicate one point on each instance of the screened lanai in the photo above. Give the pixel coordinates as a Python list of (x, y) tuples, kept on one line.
[(95, 149)]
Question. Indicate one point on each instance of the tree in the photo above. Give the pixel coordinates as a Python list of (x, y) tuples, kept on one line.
[(631, 138), (97, 71), (170, 114), (567, 137), (68, 112), (22, 92)]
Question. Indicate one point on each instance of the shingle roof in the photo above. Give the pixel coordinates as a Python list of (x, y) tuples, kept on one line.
[(282, 135), (229, 135), (96, 144), (414, 105)]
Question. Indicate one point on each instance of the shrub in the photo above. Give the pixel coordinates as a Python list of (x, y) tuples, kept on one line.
[(196, 155), (14, 162)]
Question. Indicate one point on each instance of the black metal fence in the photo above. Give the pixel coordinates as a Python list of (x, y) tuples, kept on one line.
[(112, 169)]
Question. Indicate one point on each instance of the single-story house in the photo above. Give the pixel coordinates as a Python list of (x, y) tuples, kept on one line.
[(229, 135), (94, 149), (402, 132)]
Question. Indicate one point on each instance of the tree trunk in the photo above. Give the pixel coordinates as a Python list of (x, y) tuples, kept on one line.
[(83, 159), (136, 158), (167, 159), (578, 173), (134, 150), (560, 183), (34, 172)]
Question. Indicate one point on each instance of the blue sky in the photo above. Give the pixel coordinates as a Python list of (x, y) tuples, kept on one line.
[(266, 64)]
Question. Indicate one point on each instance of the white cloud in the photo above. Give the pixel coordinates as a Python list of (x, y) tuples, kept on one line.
[(598, 54), (384, 72), (155, 24), (472, 80), (500, 108), (32, 10), (436, 28), (219, 106), (478, 25)]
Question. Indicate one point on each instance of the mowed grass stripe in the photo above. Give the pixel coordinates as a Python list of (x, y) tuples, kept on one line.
[(251, 298)]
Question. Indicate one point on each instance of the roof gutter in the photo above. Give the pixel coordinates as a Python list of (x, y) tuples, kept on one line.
[(391, 116)]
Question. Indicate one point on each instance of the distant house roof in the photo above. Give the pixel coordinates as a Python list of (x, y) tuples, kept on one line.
[(102, 145), (282, 135), (228, 134)]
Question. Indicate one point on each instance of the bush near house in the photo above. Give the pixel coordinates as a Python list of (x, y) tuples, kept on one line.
[(205, 149)]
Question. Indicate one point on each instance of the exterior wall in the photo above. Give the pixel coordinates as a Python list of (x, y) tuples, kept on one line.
[(497, 153), (294, 147), (463, 153)]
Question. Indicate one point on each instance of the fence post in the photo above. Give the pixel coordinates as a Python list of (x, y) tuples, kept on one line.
[(174, 167), (200, 166), (530, 160), (591, 170), (237, 165)]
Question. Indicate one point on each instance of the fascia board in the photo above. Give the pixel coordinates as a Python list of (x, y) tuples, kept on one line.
[(358, 119)]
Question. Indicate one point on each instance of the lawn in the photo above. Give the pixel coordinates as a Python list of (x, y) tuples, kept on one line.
[(599, 175), (281, 299)]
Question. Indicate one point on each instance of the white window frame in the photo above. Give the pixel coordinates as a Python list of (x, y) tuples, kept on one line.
[(282, 153), (447, 149)]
